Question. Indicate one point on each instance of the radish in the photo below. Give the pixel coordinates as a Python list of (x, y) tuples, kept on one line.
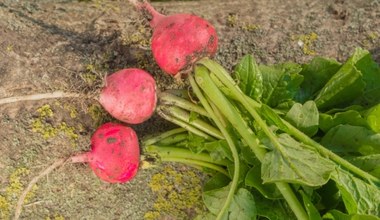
[(178, 40), (129, 96), (114, 157), (115, 153)]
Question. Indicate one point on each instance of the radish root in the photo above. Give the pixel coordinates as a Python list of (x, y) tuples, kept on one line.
[(56, 164), (41, 96)]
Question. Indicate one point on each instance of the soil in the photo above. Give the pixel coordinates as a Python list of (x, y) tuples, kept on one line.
[(71, 45)]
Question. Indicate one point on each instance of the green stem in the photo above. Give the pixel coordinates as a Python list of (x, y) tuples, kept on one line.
[(231, 144), (196, 163), (183, 124), (175, 139), (170, 99), (196, 122), (248, 135), (162, 136), (183, 153)]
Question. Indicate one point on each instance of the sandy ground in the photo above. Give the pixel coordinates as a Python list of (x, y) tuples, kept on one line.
[(49, 45)]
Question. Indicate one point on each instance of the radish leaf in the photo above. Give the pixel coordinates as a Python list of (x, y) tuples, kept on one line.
[(358, 196), (370, 163), (316, 74), (249, 77), (304, 117), (253, 179), (295, 163), (346, 85), (352, 139), (281, 83), (310, 208), (243, 206), (337, 215), (350, 117)]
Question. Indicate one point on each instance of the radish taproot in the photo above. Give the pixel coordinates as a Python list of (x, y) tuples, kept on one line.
[(115, 153), (129, 95), (114, 157), (178, 40)]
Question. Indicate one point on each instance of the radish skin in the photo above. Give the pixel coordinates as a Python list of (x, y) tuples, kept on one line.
[(129, 95), (178, 40)]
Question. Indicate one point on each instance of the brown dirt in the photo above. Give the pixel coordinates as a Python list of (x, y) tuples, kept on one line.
[(71, 45)]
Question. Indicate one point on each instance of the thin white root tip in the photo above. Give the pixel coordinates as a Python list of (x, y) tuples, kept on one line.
[(41, 96), (21, 200)]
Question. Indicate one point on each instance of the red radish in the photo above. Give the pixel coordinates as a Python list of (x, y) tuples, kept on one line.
[(115, 153), (129, 95), (114, 157), (179, 40)]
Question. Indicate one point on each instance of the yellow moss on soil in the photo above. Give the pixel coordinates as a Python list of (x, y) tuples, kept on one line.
[(373, 36), (72, 110), (13, 192), (9, 48), (306, 41), (140, 37), (56, 217), (91, 76), (232, 20), (43, 125), (250, 27), (178, 193)]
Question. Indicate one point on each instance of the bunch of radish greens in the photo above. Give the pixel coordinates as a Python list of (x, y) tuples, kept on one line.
[(284, 141)]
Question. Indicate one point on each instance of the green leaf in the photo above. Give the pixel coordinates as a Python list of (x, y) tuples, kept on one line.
[(218, 150), (193, 116), (311, 210), (350, 117), (305, 117), (217, 181), (352, 139), (244, 168), (243, 206), (295, 163), (281, 83), (342, 88), (371, 76), (344, 109), (253, 179), (276, 209), (272, 117), (316, 74), (370, 163), (358, 196), (195, 143), (214, 199), (372, 116), (249, 77), (337, 215), (248, 156), (330, 196)]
